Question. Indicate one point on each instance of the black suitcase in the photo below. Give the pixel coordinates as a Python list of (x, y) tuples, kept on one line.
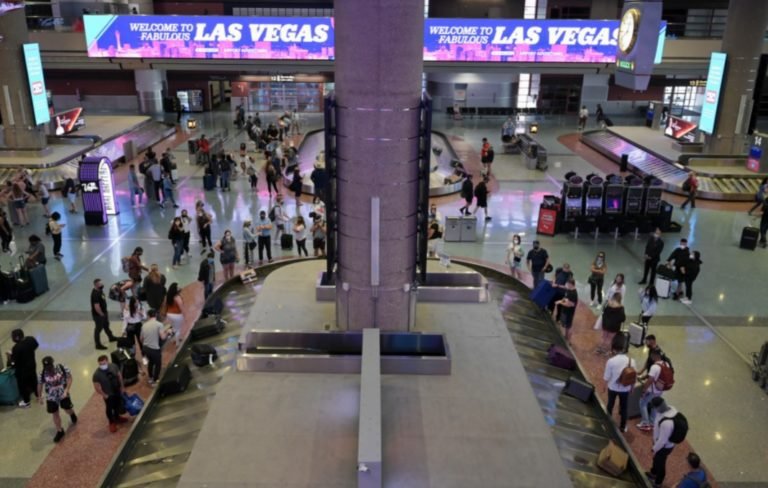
[(633, 402), (214, 308), (286, 241), (175, 380), (622, 336), (25, 292), (209, 182), (203, 354), (666, 272), (608, 122), (749, 237), (580, 389), (206, 327), (128, 366), (8, 288)]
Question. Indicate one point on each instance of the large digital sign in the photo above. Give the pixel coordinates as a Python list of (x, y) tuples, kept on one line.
[(457, 40), (212, 37), (715, 77), (34, 64)]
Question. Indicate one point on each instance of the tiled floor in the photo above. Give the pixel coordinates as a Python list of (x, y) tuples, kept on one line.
[(708, 341)]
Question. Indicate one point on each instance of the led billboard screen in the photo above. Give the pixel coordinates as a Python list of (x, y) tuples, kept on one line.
[(715, 77), (34, 64), (458, 40)]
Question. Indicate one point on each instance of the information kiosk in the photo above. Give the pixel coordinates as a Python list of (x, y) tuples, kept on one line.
[(98, 189)]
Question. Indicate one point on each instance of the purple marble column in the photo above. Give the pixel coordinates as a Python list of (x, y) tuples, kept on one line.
[(378, 88)]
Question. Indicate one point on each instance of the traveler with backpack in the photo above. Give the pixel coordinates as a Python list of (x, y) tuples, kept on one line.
[(660, 378), (697, 476), (669, 430), (57, 381), (620, 376), (690, 186), (652, 345)]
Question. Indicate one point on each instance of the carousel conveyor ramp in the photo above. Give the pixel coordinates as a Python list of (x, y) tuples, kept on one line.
[(157, 449), (579, 429), (643, 163)]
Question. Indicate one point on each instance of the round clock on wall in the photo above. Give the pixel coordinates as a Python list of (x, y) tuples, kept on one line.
[(630, 23)]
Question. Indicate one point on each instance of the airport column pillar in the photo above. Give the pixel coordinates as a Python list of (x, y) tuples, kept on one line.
[(150, 84), (378, 46), (743, 44), (20, 131)]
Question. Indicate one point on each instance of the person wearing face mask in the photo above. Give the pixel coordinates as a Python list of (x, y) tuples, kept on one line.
[(690, 273), (596, 279), (57, 381), (537, 261), (99, 314), (207, 274), (264, 232), (108, 383), (653, 250), (677, 260), (227, 248)]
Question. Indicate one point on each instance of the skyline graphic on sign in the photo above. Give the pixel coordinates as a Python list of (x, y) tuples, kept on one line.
[(299, 38)]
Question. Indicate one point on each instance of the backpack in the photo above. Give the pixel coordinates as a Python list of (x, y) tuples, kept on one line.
[(628, 375), (125, 262), (680, 429), (666, 378), (687, 185), (271, 214)]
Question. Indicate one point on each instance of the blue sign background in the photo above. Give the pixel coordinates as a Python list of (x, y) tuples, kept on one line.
[(34, 64), (715, 77)]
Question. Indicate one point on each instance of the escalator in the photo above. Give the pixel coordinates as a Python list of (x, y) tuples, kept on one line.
[(672, 174)]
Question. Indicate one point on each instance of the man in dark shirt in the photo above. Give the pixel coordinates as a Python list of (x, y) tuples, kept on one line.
[(22, 358), (108, 382), (467, 193), (99, 314), (653, 249), (678, 259), (653, 347), (537, 260)]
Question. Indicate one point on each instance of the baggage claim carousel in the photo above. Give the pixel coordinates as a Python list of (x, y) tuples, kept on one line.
[(163, 436), (715, 182)]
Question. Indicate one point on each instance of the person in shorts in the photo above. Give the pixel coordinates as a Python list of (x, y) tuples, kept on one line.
[(57, 381), (567, 308), (318, 236)]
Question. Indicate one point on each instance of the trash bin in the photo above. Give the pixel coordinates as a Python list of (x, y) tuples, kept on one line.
[(452, 229), (469, 229)]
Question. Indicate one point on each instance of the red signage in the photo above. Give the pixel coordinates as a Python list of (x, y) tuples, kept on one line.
[(547, 224), (68, 121), (680, 129)]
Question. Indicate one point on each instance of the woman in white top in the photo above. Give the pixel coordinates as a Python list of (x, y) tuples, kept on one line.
[(249, 242), (44, 196), (649, 298), (133, 317), (617, 286), (318, 207), (515, 255), (300, 235)]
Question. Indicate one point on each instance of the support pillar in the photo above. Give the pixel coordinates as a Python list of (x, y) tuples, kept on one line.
[(150, 85), (743, 44), (378, 70), (15, 100)]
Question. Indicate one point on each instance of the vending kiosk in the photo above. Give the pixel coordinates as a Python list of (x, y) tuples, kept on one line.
[(573, 191), (593, 198), (634, 196), (653, 194), (613, 201), (98, 190)]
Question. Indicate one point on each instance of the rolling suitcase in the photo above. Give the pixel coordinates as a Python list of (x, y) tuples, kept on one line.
[(175, 380), (209, 182), (286, 242), (636, 334), (206, 327), (25, 292), (39, 278), (203, 354), (128, 366), (624, 337), (543, 294), (663, 286), (749, 237), (214, 308), (560, 357), (8, 288), (580, 389), (9, 389)]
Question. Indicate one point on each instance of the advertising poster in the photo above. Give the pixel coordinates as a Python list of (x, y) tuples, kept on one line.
[(208, 37), (34, 64), (715, 77), (680, 129)]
